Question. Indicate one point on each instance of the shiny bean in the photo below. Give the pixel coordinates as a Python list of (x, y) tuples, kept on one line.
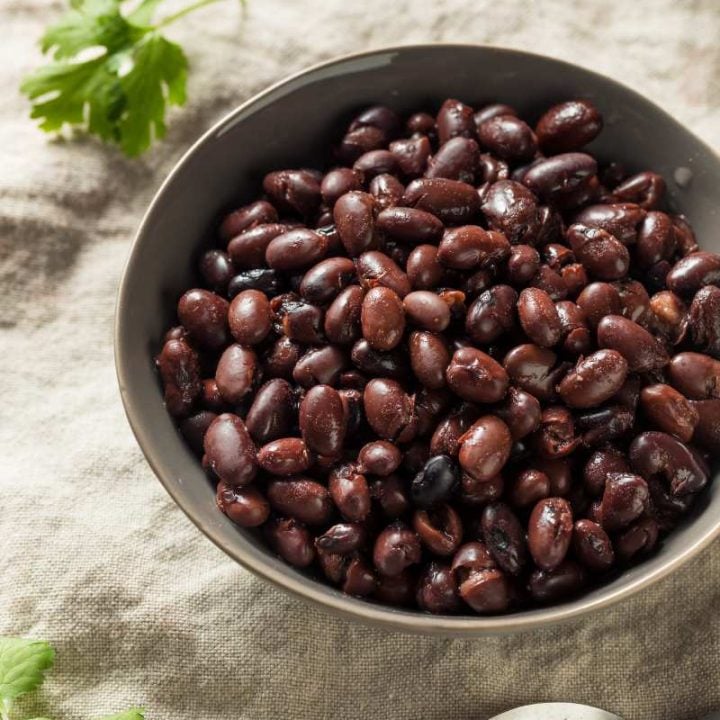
[(604, 425), (389, 410), (284, 456), (386, 190), (396, 548), (641, 350), (640, 538), (624, 499), (411, 155), (523, 263), (272, 412), (429, 359), (622, 220), (248, 216), (599, 467), (454, 119), (193, 429), (204, 315), (179, 369), (451, 201), (382, 318), (436, 590), (245, 506), (577, 338), (528, 488), (338, 182), (216, 270), (568, 126), (592, 546), (236, 373), (427, 310), (320, 366), (598, 300), (634, 299), (439, 528), (457, 159), (555, 438), (376, 162), (601, 253), (409, 225), (291, 540), (247, 250), (549, 532), (322, 420), (504, 537), (508, 137), (301, 499), (469, 246), (520, 412), (647, 189), (475, 376), (264, 280), (354, 220), (656, 240), (281, 358), (594, 379), (350, 493), (343, 538), (392, 496), (695, 375), (294, 191), (492, 314), (377, 269), (342, 319), (669, 410), (420, 122), (486, 591), (704, 320), (230, 450), (296, 250), (446, 437), (435, 482), (249, 317), (559, 174), (539, 318), (551, 282), (534, 370), (548, 586), (485, 448), (322, 283), (379, 457), (707, 430), (510, 208)]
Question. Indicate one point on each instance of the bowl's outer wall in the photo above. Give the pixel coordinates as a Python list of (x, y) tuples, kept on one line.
[(292, 125)]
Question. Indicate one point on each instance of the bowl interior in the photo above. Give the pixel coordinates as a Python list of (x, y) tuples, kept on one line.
[(292, 125)]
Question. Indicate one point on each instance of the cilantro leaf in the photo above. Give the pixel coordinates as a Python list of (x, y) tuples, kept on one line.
[(113, 75), (131, 714), (22, 666)]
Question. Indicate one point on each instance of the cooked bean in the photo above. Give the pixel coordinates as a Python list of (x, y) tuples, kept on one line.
[(640, 349), (179, 368), (534, 369), (594, 379), (523, 263), (510, 208), (568, 126), (411, 155), (669, 411), (320, 366), (389, 410), (655, 240), (439, 528), (302, 499), (555, 438), (236, 373), (265, 280), (293, 191), (492, 314), (624, 499), (193, 429), (350, 493), (230, 450), (322, 282), (704, 320), (429, 359), (508, 137), (246, 506), (520, 412), (592, 546), (382, 318), (548, 586), (285, 456), (457, 159), (467, 247), (435, 482), (599, 467), (707, 430), (559, 174), (396, 548), (602, 254), (504, 537), (451, 201), (695, 375), (291, 541), (249, 317), (486, 591), (475, 376), (246, 217), (272, 412), (539, 318), (529, 487), (322, 420), (423, 268), (639, 538), (454, 119), (377, 269), (338, 182), (379, 457), (598, 300), (376, 162), (485, 448), (427, 310), (647, 189), (342, 319), (386, 190), (296, 249), (204, 315), (436, 590), (550, 532)]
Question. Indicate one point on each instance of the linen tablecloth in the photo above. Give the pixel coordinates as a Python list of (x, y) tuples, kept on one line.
[(96, 558)]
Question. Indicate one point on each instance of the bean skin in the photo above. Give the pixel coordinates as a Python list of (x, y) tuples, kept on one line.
[(204, 315), (296, 249), (411, 155), (669, 411), (485, 448), (302, 499), (379, 457), (342, 319), (396, 548), (409, 225), (704, 320), (247, 250), (457, 159), (520, 412), (598, 300), (528, 488), (382, 318), (491, 314), (647, 189), (424, 271), (508, 137), (455, 119), (322, 420), (429, 359), (594, 379), (230, 450), (179, 368), (272, 413), (504, 537), (285, 456), (624, 499), (510, 208), (249, 317), (568, 126), (534, 370), (320, 366), (640, 349), (695, 375), (427, 310), (559, 174), (354, 219), (439, 528), (245, 506), (246, 217), (476, 377), (436, 592), (322, 282), (592, 546), (389, 410), (338, 182), (550, 532), (539, 317), (236, 373), (598, 468), (291, 540), (469, 246), (602, 254), (486, 591), (377, 269), (451, 201)]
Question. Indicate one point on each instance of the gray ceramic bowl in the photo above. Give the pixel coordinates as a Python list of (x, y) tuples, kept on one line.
[(291, 125)]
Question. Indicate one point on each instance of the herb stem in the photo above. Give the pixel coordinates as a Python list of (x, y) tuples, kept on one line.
[(185, 11)]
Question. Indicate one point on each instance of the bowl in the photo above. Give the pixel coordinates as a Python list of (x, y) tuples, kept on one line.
[(291, 125)]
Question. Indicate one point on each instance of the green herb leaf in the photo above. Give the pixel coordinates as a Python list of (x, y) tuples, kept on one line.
[(22, 666), (131, 714)]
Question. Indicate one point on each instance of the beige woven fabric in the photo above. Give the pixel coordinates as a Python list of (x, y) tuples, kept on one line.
[(95, 557)]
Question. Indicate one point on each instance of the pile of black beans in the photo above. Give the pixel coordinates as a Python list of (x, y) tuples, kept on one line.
[(467, 368)]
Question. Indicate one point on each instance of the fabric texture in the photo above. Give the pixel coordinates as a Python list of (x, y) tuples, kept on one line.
[(95, 556)]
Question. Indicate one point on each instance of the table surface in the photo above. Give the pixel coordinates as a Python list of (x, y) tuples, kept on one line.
[(95, 557)]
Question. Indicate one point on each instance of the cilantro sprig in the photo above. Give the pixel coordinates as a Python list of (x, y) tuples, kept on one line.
[(23, 664), (113, 74)]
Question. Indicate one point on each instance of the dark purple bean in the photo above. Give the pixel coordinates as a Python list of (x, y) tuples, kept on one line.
[(549, 532), (577, 337), (634, 299), (377, 116), (592, 546), (436, 591), (695, 375), (391, 494), (435, 482), (422, 123), (247, 250), (469, 246), (551, 282), (377, 269), (354, 220), (446, 437), (382, 318), (396, 548), (594, 379), (387, 191), (455, 119), (574, 277), (598, 300), (568, 126), (322, 282), (179, 369), (423, 269), (301, 499), (230, 450), (322, 420), (379, 458), (669, 410), (508, 137), (291, 541), (491, 314), (249, 317), (534, 369), (264, 279), (429, 359), (655, 240), (376, 162), (193, 429), (204, 315), (427, 310), (559, 174), (246, 217), (599, 466), (284, 456), (296, 249), (638, 539), (641, 350), (622, 220), (510, 208), (320, 366), (338, 182), (409, 225), (485, 448), (624, 499), (707, 431), (272, 413), (245, 506), (389, 410), (602, 254), (504, 537), (704, 320), (216, 270), (397, 590), (476, 377), (411, 155), (539, 318), (523, 264), (647, 189), (295, 191), (236, 373), (520, 412), (555, 438), (605, 425), (350, 493), (343, 538), (486, 591), (658, 454), (452, 201), (457, 159), (342, 319), (439, 528), (548, 586), (529, 487), (391, 364)]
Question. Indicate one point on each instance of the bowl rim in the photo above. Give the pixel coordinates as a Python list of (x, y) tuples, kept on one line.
[(309, 589)]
